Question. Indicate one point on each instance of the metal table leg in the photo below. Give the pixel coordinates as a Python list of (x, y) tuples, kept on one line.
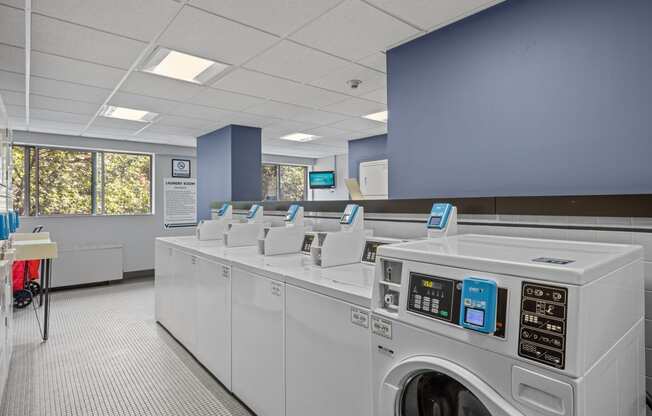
[(40, 296), (46, 290)]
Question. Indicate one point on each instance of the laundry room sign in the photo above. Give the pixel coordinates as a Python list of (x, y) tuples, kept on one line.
[(179, 202)]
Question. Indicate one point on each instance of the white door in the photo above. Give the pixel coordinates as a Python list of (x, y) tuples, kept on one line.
[(184, 295), (213, 334), (374, 180), (328, 369), (257, 342)]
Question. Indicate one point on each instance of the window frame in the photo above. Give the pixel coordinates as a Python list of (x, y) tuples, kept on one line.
[(277, 166), (95, 152)]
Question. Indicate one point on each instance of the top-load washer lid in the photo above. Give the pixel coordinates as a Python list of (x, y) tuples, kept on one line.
[(557, 261)]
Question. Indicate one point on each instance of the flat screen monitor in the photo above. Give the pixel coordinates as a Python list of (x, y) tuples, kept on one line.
[(321, 179)]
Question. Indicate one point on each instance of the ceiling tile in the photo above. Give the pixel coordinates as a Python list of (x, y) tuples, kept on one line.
[(337, 80), (170, 130), (185, 122), (12, 81), (328, 131), (13, 97), (379, 95), (294, 112), (357, 124), (428, 14), (224, 99), (39, 114), (354, 30), (356, 107), (67, 39), (200, 111), (55, 127), (141, 102), (155, 137), (254, 83), (68, 90), (294, 61), (12, 26), (58, 104), (141, 19), (276, 16), (106, 132), (250, 120), (17, 123), (12, 58), (19, 4), (114, 123), (161, 87), (376, 61), (197, 32), (66, 69)]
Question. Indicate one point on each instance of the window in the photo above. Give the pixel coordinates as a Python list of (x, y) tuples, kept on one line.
[(57, 181), (284, 182)]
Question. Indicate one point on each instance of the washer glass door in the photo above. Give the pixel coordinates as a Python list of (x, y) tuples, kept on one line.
[(435, 394)]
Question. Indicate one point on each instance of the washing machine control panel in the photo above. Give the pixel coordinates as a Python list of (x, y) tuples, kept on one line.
[(542, 332), (478, 306), (440, 298)]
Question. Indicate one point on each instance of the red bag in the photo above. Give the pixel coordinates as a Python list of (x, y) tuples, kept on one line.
[(33, 267), (18, 275)]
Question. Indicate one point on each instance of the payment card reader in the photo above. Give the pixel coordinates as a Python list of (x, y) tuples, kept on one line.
[(349, 214), (293, 212), (251, 214), (478, 306), (442, 221)]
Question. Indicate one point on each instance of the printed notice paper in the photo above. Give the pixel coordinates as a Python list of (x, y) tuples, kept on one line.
[(179, 202)]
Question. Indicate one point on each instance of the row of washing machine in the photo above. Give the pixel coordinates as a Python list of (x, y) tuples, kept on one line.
[(451, 325)]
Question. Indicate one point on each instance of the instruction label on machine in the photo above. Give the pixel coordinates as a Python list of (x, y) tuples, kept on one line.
[(360, 317), (381, 327), (179, 202)]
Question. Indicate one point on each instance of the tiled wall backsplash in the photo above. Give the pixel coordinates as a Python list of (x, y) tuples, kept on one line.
[(596, 229)]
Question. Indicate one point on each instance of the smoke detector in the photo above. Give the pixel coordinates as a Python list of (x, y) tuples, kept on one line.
[(354, 83)]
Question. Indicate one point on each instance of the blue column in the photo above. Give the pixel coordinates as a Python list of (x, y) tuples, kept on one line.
[(228, 167)]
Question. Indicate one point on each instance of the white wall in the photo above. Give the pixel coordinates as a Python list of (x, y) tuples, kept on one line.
[(340, 164), (136, 233)]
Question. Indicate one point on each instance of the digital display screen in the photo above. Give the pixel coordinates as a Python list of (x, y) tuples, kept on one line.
[(434, 220), (321, 180), (431, 284), (474, 317)]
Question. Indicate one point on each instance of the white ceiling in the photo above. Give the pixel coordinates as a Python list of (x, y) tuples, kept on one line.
[(289, 60)]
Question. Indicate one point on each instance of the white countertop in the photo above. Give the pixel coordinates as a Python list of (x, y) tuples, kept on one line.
[(351, 283), (570, 262)]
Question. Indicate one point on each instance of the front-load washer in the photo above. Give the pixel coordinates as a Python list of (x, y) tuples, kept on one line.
[(478, 325)]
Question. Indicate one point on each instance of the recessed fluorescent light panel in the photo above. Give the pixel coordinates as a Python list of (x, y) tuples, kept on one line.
[(124, 113), (178, 65), (380, 116), (299, 137)]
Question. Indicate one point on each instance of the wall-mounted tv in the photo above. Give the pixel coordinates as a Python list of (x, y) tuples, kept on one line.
[(321, 179)]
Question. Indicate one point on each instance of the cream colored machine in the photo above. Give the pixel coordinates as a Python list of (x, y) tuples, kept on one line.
[(344, 246), (213, 229), (286, 239), (245, 234)]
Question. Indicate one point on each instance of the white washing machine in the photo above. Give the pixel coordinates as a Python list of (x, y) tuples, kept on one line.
[(489, 326)]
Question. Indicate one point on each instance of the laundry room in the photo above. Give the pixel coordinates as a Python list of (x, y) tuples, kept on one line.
[(325, 207)]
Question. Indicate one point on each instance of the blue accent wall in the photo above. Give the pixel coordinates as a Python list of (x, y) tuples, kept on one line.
[(246, 163), (364, 150), (228, 167), (529, 97)]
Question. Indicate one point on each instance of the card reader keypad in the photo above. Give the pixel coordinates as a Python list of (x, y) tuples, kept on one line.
[(542, 332)]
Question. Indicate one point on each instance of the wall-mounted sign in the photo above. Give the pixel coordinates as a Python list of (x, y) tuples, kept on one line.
[(180, 168), (179, 202)]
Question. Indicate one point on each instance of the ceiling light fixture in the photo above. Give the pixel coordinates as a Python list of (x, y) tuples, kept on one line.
[(299, 137), (379, 116), (178, 65), (124, 113)]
